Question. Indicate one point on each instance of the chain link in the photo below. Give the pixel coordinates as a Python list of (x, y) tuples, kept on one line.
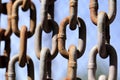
[(47, 24)]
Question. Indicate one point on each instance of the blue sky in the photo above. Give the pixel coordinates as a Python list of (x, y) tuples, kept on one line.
[(59, 64)]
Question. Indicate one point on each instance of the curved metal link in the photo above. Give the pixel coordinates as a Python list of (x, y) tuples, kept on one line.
[(11, 68), (92, 63), (38, 41), (23, 46), (81, 40), (15, 18), (73, 14), (102, 20), (26, 5), (94, 10), (8, 8)]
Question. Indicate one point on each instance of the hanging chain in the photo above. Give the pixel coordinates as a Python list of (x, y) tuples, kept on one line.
[(24, 34), (47, 24), (73, 53), (103, 21), (5, 8)]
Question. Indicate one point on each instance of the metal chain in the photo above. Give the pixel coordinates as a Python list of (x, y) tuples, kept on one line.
[(103, 21), (48, 24), (73, 53)]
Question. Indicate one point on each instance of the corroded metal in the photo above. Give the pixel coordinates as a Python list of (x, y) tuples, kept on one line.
[(73, 14), (15, 18), (92, 66), (81, 37), (38, 40), (94, 10), (11, 68), (26, 5), (23, 46)]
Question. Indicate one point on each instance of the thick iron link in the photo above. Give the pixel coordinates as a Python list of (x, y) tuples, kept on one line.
[(11, 68), (92, 66), (81, 40), (26, 5), (94, 10), (38, 40), (15, 18)]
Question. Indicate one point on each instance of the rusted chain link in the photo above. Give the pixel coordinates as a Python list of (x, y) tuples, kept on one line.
[(11, 68), (92, 66), (94, 10), (23, 33), (81, 37), (15, 18), (26, 5)]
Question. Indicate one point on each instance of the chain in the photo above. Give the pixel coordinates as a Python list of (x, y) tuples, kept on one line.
[(47, 24), (103, 21)]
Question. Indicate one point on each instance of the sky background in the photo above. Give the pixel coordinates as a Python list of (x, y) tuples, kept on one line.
[(59, 64)]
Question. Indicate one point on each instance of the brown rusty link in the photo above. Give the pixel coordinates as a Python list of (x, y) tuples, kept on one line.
[(92, 66), (47, 12), (26, 5), (81, 40), (15, 18), (11, 68), (72, 63), (94, 10), (102, 20), (8, 7), (38, 40), (73, 14), (6, 54), (44, 67), (23, 46)]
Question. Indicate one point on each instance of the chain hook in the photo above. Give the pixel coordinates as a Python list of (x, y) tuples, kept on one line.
[(81, 40)]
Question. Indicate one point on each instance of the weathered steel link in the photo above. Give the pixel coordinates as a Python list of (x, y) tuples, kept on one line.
[(81, 40), (73, 14), (11, 68), (102, 24), (92, 66), (15, 18), (38, 40), (94, 10)]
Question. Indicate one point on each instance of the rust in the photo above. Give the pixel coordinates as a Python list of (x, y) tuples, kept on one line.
[(15, 18), (11, 68), (94, 10), (92, 66), (38, 40), (81, 37), (26, 5), (73, 14), (23, 46)]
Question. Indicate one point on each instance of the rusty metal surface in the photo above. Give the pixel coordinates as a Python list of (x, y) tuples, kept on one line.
[(12, 72)]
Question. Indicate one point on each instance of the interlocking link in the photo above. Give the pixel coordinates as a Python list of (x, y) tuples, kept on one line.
[(38, 40), (81, 37), (94, 10), (11, 68), (92, 66), (15, 18)]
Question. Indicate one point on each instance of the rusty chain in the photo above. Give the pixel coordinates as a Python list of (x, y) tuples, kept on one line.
[(48, 24), (104, 48)]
